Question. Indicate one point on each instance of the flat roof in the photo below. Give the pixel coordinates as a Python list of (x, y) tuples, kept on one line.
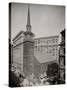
[(46, 37)]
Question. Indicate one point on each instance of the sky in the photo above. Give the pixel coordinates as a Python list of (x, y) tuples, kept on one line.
[(46, 20)]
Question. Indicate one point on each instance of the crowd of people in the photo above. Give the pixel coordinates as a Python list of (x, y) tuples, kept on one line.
[(31, 80), (46, 78)]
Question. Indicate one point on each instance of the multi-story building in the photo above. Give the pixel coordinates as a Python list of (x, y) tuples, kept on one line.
[(18, 51), (62, 56), (32, 55), (46, 50), (47, 47)]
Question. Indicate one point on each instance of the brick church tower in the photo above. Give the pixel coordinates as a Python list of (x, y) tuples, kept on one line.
[(28, 48)]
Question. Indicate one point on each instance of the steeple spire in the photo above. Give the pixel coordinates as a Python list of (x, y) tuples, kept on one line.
[(28, 32), (28, 26), (28, 18)]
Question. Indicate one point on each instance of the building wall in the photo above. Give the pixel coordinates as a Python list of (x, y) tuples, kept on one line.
[(46, 49), (18, 52), (11, 54), (36, 67), (43, 66), (62, 56), (28, 53)]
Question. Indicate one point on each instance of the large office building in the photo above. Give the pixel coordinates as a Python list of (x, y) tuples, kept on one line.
[(18, 51), (32, 55), (46, 50)]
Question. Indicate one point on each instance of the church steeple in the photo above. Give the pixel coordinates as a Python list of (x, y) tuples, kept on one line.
[(28, 48), (28, 26), (28, 33)]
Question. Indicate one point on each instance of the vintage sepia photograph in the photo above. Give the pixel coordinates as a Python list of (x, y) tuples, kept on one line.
[(36, 44)]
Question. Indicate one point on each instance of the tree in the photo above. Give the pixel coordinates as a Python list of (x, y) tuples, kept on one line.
[(53, 72)]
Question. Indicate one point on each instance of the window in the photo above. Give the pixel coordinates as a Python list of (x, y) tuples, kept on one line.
[(47, 49), (35, 48), (53, 54), (64, 50), (39, 41), (64, 60), (61, 51), (38, 48), (53, 49), (53, 40), (62, 38), (35, 42), (56, 40), (41, 48), (56, 49), (61, 62), (50, 51), (47, 42)]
